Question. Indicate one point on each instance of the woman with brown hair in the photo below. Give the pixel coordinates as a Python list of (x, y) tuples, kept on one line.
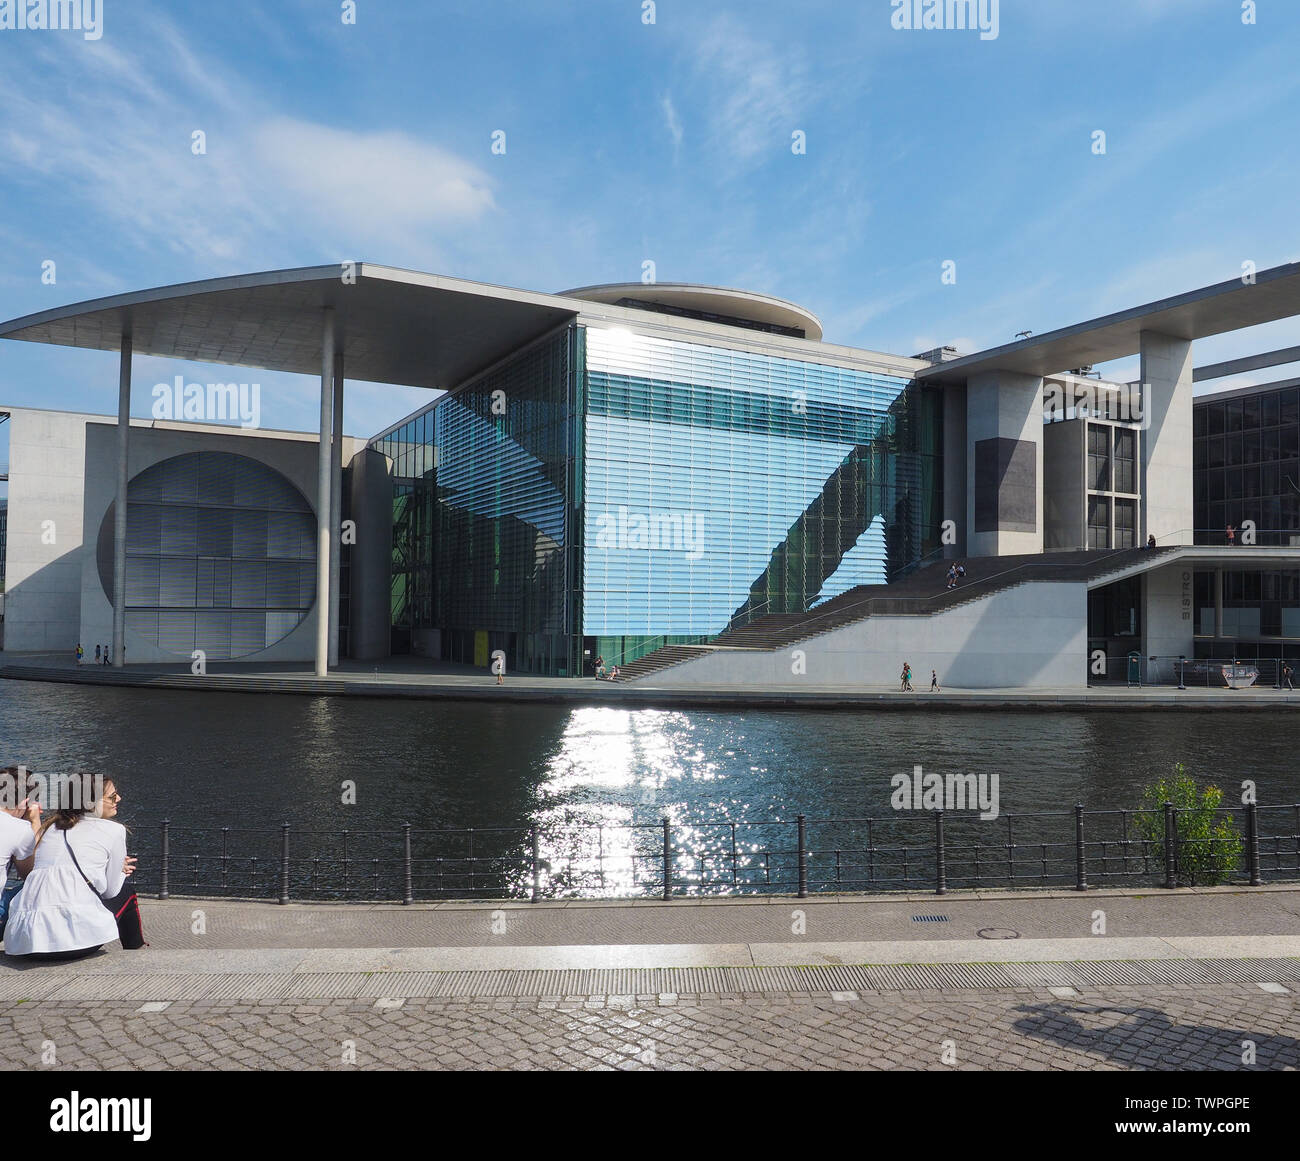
[(80, 858)]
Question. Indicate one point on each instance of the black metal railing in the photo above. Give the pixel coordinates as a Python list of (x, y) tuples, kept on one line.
[(1193, 672), (913, 850)]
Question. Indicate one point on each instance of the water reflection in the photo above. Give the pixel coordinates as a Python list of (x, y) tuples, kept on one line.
[(730, 785)]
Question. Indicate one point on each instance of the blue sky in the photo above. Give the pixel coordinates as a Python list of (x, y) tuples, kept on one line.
[(668, 142)]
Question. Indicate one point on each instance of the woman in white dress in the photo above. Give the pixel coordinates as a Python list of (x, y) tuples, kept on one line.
[(58, 914)]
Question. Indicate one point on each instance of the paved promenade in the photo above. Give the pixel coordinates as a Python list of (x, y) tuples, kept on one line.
[(412, 678), (1183, 980)]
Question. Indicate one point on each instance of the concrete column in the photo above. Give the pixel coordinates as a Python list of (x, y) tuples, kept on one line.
[(371, 576), (954, 467), (1218, 602), (336, 507), (1167, 446), (1004, 464), (119, 507), (323, 518)]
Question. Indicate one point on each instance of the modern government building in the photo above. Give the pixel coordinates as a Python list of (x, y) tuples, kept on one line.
[(686, 481)]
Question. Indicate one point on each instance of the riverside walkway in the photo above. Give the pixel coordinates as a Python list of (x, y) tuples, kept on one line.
[(414, 678), (1188, 979)]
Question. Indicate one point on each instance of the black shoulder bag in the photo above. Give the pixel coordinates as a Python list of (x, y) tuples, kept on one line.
[(125, 907)]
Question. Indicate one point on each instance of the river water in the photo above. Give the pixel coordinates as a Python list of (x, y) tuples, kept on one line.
[(249, 762)]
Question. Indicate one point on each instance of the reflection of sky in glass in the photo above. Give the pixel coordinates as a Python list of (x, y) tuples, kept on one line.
[(741, 444)]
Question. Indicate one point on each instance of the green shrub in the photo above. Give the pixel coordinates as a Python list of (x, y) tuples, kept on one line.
[(1208, 846)]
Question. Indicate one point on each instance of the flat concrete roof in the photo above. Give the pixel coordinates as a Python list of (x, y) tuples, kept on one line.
[(394, 326), (1212, 310)]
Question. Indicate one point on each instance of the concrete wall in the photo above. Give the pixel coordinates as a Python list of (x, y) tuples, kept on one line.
[(1032, 636), (1166, 451), (1008, 408), (44, 556), (295, 459), (1168, 613), (1065, 490)]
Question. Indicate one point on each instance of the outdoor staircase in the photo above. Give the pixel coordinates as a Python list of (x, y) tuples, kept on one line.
[(922, 593)]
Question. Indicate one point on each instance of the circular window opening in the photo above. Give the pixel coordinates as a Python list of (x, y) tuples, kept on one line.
[(220, 555)]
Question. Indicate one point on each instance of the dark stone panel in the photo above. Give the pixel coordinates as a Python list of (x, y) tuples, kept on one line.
[(1006, 485)]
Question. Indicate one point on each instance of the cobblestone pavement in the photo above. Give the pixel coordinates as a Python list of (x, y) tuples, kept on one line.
[(1179, 1027)]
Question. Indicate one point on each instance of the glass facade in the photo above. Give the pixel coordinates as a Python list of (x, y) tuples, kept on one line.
[(722, 485), (607, 492), (1247, 466), (483, 551)]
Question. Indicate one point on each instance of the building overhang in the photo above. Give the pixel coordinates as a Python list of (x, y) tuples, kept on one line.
[(1212, 310), (393, 326), (1206, 557)]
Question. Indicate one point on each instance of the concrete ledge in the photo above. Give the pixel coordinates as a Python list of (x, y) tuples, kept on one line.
[(586, 692)]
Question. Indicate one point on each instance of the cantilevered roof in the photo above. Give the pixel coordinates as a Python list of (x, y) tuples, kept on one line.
[(393, 326), (722, 301), (1213, 310)]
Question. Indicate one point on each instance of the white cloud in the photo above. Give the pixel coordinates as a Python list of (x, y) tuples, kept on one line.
[(671, 121), (387, 177), (759, 92)]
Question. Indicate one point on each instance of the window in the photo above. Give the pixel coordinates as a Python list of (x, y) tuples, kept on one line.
[(1098, 522), (1125, 445), (1125, 524), (1098, 458)]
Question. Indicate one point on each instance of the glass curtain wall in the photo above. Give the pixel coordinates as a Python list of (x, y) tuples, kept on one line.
[(483, 558), (723, 485)]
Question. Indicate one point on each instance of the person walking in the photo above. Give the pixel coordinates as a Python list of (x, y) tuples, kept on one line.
[(934, 682), (80, 860), (600, 667), (1232, 536), (952, 576), (81, 653), (96, 654), (1287, 673)]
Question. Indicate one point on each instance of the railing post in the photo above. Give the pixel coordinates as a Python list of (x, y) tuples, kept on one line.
[(163, 891), (1170, 827), (668, 861), (940, 862), (803, 858), (1080, 862), (284, 862), (536, 866), (1252, 844), (408, 896)]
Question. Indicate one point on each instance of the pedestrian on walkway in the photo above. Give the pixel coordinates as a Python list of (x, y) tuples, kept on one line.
[(934, 682), (1287, 673), (1232, 537), (952, 576), (600, 667), (81, 653), (96, 654)]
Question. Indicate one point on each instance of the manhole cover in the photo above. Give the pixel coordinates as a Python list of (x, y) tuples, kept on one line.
[(997, 933)]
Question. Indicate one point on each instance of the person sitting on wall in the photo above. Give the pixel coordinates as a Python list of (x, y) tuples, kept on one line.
[(1151, 541)]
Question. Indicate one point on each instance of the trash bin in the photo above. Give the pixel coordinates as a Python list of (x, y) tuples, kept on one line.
[(1135, 668)]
